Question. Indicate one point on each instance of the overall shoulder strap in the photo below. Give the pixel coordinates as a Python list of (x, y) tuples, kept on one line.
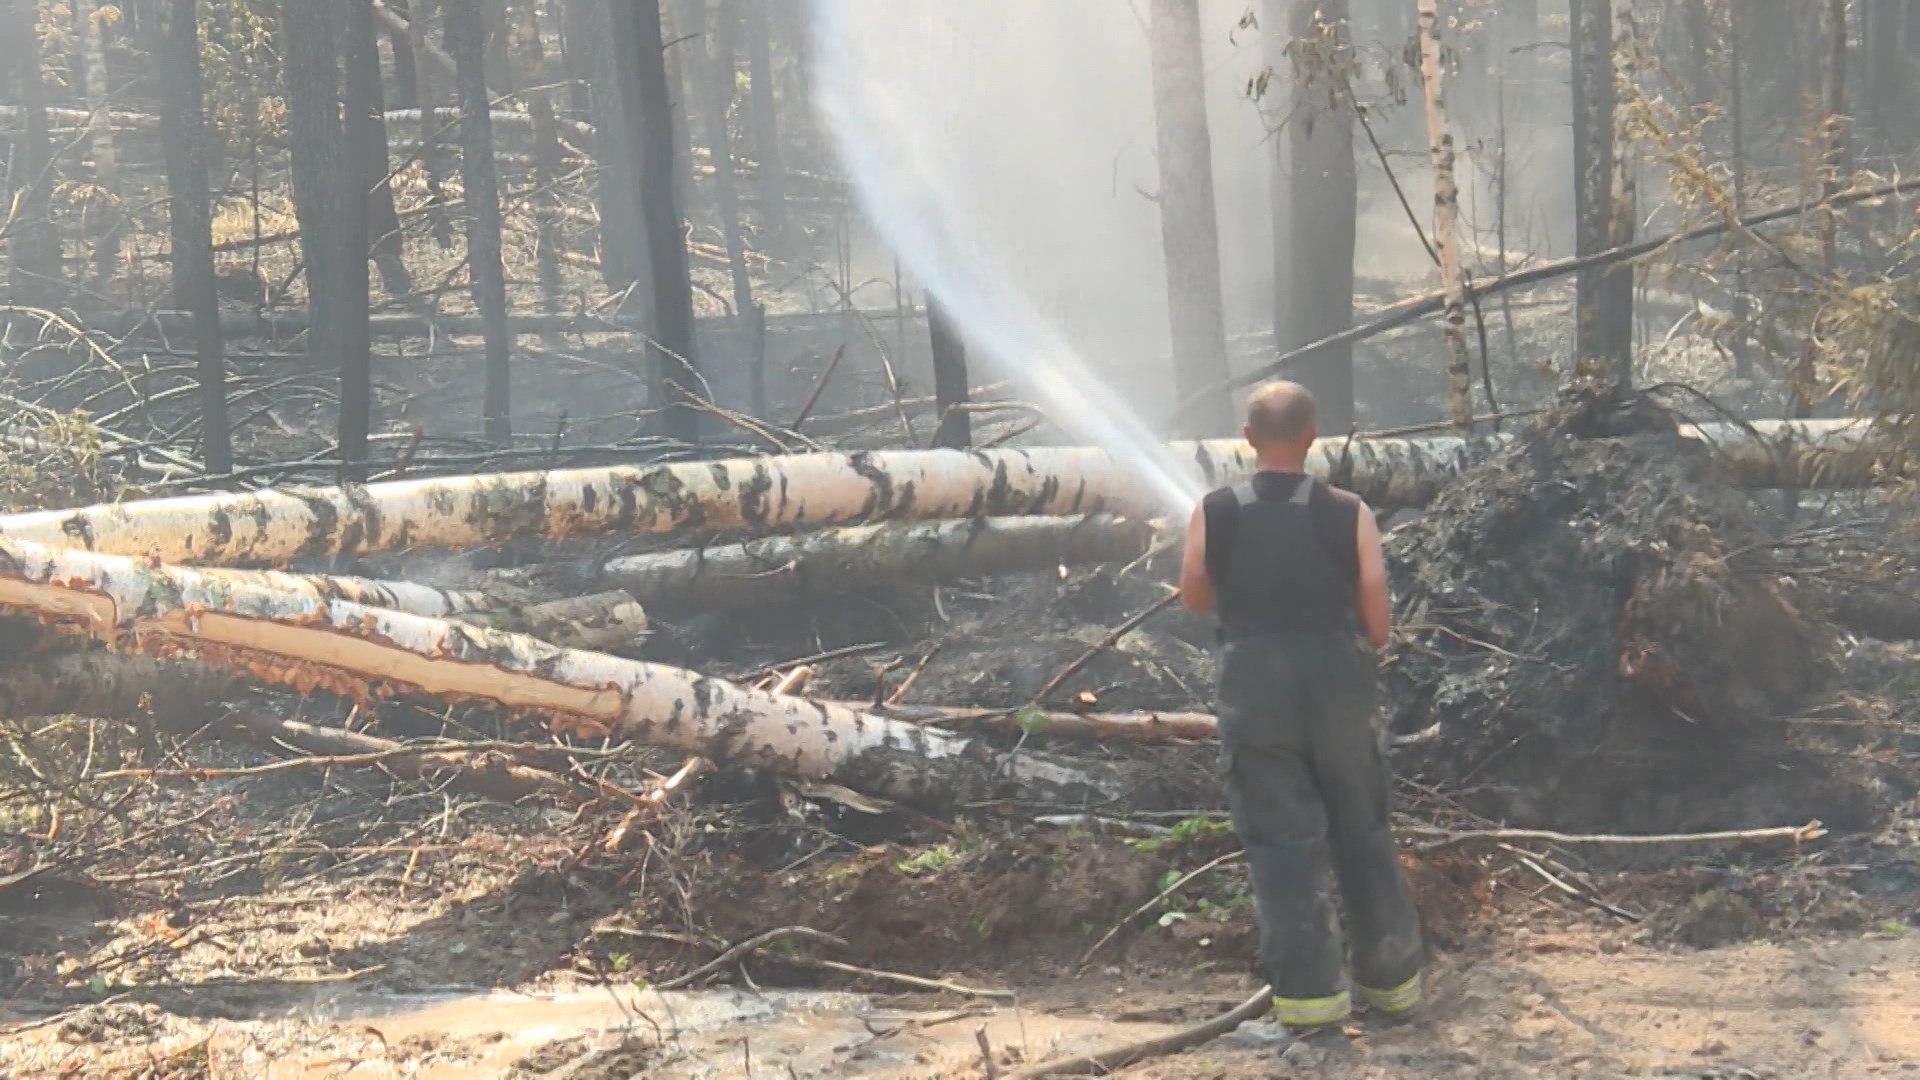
[(1302, 492)]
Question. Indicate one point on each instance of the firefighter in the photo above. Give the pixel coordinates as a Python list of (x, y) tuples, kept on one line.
[(1293, 568)]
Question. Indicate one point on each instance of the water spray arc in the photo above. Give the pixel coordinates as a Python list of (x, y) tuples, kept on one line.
[(888, 146)]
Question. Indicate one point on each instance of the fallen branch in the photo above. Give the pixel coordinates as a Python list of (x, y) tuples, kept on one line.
[(1794, 834), (753, 944), (1403, 313), (1211, 864), (1143, 727), (1113, 637), (938, 986), (1106, 1061)]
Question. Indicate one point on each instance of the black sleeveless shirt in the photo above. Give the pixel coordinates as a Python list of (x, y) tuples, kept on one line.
[(1283, 555)]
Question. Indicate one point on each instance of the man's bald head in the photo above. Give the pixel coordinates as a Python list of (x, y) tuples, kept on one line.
[(1280, 415)]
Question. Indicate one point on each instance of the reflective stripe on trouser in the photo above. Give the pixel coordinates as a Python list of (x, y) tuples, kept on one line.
[(1308, 787), (1400, 999), (1313, 1012)]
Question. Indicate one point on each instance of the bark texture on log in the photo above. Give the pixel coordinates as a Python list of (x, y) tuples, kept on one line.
[(361, 652), (797, 490), (817, 489), (110, 686), (602, 621), (783, 568)]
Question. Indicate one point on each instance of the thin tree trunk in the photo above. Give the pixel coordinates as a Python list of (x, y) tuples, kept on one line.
[(1321, 197), (1446, 228), (367, 135), (1740, 309), (674, 39), (646, 110), (273, 526), (772, 177), (1189, 229), (466, 31), (1886, 64), (711, 63), (109, 230), (954, 428), (183, 137), (37, 271), (577, 49), (623, 235), (1591, 25), (406, 77), (332, 213), (432, 160), (535, 75), (1831, 124), (1618, 303)]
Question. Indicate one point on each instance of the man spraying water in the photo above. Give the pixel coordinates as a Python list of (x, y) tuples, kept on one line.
[(1295, 572)]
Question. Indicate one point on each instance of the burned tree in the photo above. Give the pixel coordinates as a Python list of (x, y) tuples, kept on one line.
[(332, 212), (183, 137), (1318, 196), (366, 128), (955, 426), (1602, 334), (646, 110), (1189, 231), (710, 63), (466, 40)]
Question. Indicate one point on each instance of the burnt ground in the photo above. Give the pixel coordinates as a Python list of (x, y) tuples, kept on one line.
[(227, 913)]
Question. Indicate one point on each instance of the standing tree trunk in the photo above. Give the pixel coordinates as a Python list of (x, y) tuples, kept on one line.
[(332, 214), (1740, 308), (1593, 108), (1320, 198), (766, 119), (108, 222), (1189, 230), (955, 427), (623, 235), (37, 271), (366, 115), (532, 56), (1886, 64), (1831, 125), (711, 63), (183, 141), (647, 111), (432, 161), (466, 40), (1446, 228)]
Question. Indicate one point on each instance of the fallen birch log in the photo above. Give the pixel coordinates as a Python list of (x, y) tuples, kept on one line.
[(110, 686), (364, 653), (603, 620), (819, 489), (779, 569)]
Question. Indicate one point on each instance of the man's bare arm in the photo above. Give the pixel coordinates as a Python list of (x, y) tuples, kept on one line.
[(1196, 588), (1376, 610)]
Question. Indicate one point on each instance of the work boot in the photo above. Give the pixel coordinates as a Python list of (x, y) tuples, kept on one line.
[(1394, 1005)]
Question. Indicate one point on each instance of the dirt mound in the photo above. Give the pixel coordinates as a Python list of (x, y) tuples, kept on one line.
[(1603, 631)]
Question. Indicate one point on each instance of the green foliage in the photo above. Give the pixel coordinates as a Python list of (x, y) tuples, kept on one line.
[(241, 68), (933, 860), (1183, 831)]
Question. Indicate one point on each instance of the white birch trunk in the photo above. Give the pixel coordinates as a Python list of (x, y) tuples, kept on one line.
[(293, 640), (808, 490), (1446, 227)]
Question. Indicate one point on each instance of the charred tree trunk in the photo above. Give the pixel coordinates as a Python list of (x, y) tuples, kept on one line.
[(1617, 299), (183, 138), (954, 428), (1831, 123), (1886, 64), (1189, 229), (1595, 326), (772, 177), (711, 62), (1446, 226), (433, 161), (1320, 198), (647, 112), (366, 115), (466, 40), (37, 276), (332, 212)]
